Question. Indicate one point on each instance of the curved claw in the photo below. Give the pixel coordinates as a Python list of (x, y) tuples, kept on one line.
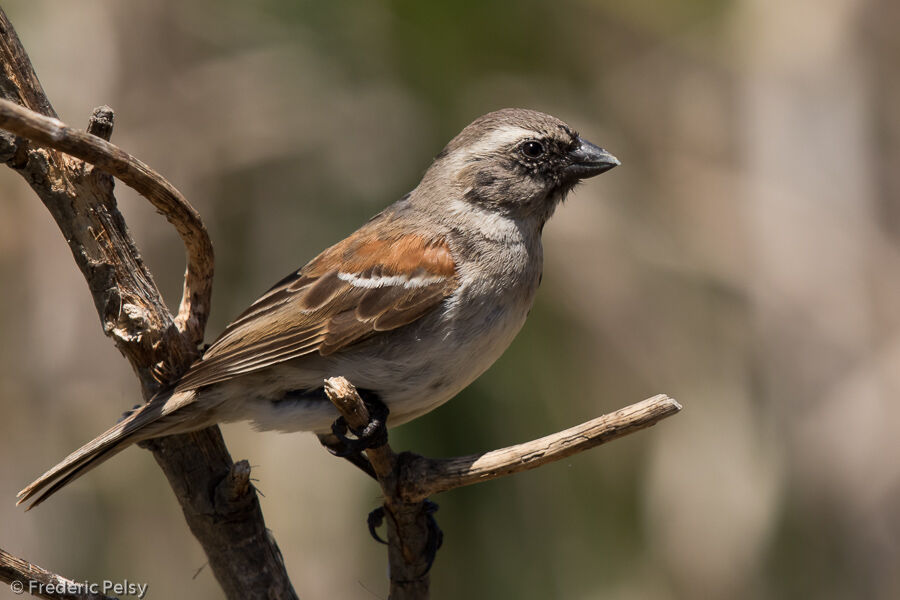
[(435, 535), (435, 539), (374, 521)]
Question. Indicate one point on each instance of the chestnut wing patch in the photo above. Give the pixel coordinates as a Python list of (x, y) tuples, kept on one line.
[(350, 292)]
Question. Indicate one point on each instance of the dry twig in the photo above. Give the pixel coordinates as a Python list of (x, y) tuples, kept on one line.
[(24, 577), (92, 149), (423, 477), (408, 479)]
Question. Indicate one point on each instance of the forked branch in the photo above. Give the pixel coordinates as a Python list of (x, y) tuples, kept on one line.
[(92, 149), (408, 479), (219, 503)]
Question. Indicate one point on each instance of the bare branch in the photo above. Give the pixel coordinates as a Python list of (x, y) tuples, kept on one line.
[(423, 477), (24, 577), (410, 525), (19, 81), (52, 133), (219, 504), (222, 510), (408, 479)]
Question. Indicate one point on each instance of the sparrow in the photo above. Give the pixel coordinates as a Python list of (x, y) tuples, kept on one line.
[(410, 308)]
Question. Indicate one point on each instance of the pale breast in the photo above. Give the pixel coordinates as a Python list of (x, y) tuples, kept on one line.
[(476, 325)]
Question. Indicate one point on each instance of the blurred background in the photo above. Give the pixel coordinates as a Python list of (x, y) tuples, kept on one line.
[(744, 259)]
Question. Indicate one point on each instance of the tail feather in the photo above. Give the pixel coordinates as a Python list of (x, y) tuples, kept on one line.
[(70, 475), (142, 424)]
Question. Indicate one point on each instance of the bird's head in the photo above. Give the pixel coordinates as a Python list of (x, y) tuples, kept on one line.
[(516, 161)]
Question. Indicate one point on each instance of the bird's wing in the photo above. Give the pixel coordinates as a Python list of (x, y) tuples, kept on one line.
[(365, 284)]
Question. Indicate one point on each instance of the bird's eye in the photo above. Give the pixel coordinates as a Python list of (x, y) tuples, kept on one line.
[(533, 149)]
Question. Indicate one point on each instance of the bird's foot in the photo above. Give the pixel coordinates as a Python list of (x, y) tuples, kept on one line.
[(357, 459), (435, 535), (373, 435)]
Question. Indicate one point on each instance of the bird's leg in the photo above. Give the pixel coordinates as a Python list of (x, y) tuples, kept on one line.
[(373, 435)]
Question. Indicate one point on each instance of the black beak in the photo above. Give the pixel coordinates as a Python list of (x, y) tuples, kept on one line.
[(588, 160)]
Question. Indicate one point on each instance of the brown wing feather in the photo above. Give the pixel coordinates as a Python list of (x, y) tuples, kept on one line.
[(315, 310)]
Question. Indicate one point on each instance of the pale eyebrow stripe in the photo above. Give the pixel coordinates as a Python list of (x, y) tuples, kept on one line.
[(499, 138)]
